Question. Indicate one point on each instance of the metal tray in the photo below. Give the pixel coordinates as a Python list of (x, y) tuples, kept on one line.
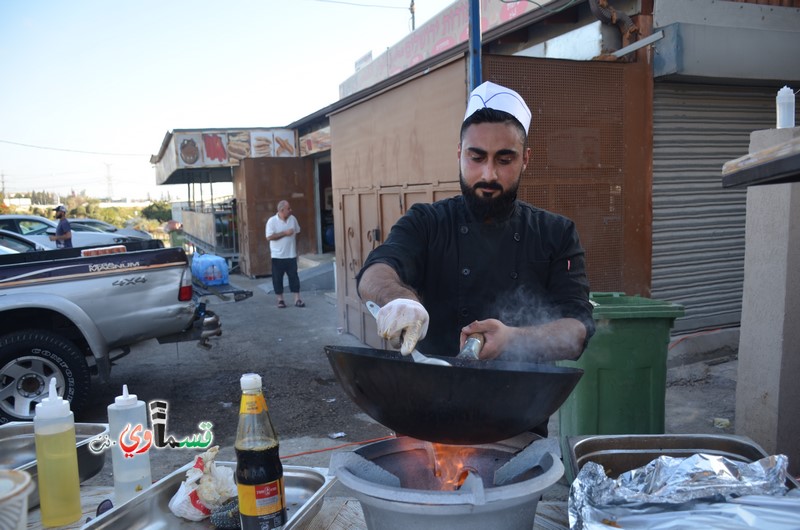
[(621, 453), (304, 486), (18, 451)]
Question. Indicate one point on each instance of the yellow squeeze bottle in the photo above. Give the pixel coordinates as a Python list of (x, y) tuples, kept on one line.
[(56, 460)]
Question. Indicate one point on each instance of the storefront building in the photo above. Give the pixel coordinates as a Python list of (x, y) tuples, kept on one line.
[(636, 105)]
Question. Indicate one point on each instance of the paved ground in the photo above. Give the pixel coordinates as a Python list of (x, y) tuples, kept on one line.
[(310, 411)]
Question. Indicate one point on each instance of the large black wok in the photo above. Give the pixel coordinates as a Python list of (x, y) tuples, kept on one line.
[(471, 402)]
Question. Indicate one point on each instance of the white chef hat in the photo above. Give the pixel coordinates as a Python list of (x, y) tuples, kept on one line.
[(494, 96)]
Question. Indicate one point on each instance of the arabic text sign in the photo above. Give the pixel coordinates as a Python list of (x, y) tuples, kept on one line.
[(138, 439)]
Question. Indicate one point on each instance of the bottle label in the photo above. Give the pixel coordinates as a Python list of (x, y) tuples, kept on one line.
[(253, 404), (262, 506)]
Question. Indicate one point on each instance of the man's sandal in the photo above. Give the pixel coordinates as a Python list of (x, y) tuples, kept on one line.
[(281, 304), (299, 303)]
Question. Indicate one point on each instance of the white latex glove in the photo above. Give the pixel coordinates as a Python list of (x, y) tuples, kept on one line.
[(403, 320)]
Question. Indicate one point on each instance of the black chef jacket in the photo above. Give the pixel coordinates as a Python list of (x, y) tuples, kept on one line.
[(524, 270)]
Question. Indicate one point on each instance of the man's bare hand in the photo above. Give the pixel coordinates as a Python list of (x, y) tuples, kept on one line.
[(496, 337), (560, 339)]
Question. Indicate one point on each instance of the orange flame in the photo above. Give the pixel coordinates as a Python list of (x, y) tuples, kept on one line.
[(451, 464)]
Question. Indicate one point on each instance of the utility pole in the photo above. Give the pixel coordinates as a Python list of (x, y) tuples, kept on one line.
[(474, 44), (412, 9)]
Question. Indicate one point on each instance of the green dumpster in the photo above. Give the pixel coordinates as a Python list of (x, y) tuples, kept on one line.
[(625, 370)]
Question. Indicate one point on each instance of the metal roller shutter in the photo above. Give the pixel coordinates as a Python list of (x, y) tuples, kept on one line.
[(698, 227)]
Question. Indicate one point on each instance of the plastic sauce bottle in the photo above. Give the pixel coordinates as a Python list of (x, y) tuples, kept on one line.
[(57, 460), (785, 108), (259, 472), (131, 472)]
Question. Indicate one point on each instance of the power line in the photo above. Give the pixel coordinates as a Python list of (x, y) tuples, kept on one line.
[(70, 150)]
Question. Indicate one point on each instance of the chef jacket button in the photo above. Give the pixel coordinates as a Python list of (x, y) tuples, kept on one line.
[(517, 236), (514, 275), (465, 271), (464, 312), (464, 229)]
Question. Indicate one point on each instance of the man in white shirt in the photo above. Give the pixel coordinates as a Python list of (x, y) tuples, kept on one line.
[(282, 229)]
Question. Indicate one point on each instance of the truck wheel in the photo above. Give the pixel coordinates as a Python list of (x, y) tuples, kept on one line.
[(28, 360)]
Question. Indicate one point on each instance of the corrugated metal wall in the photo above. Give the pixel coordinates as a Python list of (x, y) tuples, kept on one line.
[(698, 227)]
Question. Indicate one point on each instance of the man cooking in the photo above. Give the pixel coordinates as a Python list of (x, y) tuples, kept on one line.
[(483, 262)]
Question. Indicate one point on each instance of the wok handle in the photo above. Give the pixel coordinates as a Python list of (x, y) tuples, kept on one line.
[(472, 347), (477, 336)]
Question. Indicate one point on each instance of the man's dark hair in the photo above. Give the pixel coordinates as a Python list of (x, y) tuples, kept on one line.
[(488, 115)]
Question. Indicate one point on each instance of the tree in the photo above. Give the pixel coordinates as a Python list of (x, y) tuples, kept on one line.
[(92, 207), (159, 211), (3, 208)]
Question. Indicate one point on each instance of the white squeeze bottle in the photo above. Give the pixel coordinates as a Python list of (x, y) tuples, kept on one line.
[(57, 460), (785, 108), (131, 473)]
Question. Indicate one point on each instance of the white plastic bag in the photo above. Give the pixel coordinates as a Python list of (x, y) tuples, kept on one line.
[(205, 488)]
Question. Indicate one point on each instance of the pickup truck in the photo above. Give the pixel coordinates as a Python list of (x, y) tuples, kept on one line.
[(70, 313)]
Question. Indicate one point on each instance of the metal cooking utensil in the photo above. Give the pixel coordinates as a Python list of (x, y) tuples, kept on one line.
[(475, 403), (373, 308)]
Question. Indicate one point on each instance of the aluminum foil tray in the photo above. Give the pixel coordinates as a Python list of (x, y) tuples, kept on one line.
[(305, 487), (623, 452), (18, 451)]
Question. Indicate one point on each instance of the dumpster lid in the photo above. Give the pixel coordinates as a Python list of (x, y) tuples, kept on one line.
[(618, 305)]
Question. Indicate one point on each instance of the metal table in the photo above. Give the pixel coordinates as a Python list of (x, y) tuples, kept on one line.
[(337, 513)]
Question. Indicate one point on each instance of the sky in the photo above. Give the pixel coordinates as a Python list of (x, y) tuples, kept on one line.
[(89, 88)]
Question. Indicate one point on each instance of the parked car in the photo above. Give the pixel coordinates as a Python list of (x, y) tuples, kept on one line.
[(39, 229), (18, 243), (69, 316), (108, 227)]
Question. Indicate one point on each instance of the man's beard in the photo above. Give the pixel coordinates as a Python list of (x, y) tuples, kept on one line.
[(489, 208)]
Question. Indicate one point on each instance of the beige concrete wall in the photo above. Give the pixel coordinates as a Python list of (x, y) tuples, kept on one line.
[(768, 393)]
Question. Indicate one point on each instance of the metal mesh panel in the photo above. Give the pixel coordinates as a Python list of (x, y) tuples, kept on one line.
[(577, 151)]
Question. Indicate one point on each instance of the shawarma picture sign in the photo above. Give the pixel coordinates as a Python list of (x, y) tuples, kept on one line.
[(228, 147)]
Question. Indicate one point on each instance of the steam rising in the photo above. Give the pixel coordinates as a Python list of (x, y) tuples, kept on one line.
[(522, 308)]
